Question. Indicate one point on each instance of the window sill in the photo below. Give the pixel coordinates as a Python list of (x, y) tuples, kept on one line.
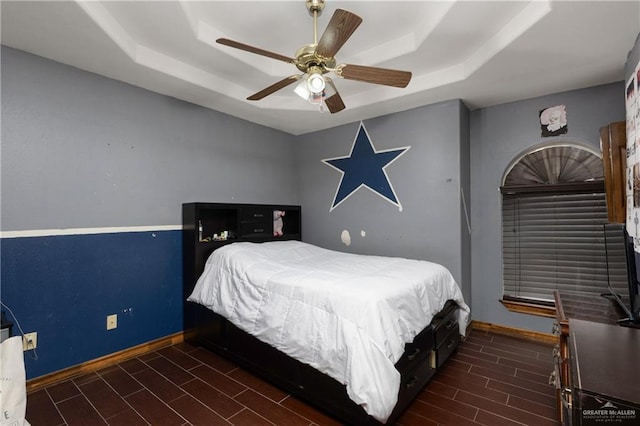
[(529, 308)]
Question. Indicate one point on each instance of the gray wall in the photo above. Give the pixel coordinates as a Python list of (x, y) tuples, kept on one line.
[(83, 151), (80, 150), (498, 135), (426, 179)]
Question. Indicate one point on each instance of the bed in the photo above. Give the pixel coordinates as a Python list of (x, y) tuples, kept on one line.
[(357, 336)]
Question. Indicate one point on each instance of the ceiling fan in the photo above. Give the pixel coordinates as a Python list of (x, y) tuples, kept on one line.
[(317, 59)]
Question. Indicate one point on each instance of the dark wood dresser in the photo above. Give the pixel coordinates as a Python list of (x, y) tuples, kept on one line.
[(597, 363)]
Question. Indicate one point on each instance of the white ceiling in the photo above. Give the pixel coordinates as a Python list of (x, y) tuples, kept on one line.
[(483, 52)]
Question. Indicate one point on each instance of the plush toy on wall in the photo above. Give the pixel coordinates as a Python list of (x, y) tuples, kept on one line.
[(278, 223)]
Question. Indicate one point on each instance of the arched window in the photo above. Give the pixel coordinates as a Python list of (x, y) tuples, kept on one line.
[(553, 211)]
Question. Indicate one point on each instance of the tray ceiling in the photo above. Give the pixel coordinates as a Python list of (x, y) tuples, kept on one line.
[(482, 52)]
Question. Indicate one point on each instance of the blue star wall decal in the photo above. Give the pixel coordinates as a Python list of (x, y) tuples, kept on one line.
[(365, 167)]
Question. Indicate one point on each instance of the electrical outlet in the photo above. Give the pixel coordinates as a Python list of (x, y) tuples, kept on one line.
[(29, 341), (112, 321)]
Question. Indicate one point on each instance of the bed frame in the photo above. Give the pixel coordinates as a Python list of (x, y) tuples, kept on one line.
[(251, 222)]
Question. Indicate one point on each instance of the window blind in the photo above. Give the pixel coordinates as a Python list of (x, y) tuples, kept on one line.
[(554, 241)]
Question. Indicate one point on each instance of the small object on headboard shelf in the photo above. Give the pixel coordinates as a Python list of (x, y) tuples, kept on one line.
[(222, 236), (278, 222)]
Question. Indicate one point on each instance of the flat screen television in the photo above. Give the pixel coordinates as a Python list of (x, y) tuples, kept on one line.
[(622, 275)]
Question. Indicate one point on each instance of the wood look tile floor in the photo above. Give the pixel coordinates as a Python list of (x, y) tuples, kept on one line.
[(491, 380)]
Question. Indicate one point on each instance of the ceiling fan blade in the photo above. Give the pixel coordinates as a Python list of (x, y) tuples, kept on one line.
[(334, 102), (374, 75), (274, 88), (255, 50), (338, 31)]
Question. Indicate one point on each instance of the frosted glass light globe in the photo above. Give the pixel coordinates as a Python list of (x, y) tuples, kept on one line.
[(315, 83)]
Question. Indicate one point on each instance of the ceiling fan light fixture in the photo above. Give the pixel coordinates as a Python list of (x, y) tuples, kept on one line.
[(302, 90), (315, 82), (318, 99)]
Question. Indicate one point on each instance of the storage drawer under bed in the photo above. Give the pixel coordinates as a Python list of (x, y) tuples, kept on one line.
[(446, 333), (416, 351), (446, 348), (412, 381), (444, 325), (437, 341)]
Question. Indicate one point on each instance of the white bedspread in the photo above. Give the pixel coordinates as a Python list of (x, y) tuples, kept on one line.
[(347, 315)]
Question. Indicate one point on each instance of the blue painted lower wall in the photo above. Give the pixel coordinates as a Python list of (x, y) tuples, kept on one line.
[(63, 287)]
